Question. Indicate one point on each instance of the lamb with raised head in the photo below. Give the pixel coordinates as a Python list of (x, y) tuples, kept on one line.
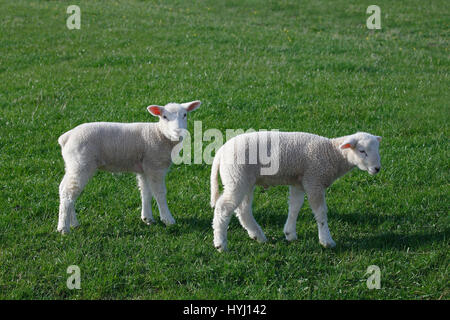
[(308, 163), (142, 148)]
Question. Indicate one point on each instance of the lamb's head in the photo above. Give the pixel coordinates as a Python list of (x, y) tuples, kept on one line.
[(173, 118), (361, 150)]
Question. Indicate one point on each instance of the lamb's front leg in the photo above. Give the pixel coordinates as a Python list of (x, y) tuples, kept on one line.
[(296, 199), (146, 197), (158, 187), (316, 197)]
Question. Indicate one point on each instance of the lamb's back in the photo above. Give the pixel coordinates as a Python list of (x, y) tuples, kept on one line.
[(296, 153)]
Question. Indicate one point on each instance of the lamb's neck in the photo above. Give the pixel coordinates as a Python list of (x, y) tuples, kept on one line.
[(343, 164), (159, 132)]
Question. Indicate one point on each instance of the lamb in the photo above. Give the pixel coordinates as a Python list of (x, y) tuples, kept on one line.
[(308, 163), (142, 148)]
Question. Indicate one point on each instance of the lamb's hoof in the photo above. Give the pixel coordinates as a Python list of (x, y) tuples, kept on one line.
[(63, 231), (168, 220), (221, 248), (261, 239), (291, 236), (328, 243), (147, 221), (75, 225)]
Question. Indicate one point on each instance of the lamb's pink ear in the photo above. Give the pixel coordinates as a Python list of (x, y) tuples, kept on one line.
[(379, 138), (191, 106), (350, 143), (154, 110)]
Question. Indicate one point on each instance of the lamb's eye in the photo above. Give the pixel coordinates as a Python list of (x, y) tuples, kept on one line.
[(363, 152), (165, 117), (184, 115)]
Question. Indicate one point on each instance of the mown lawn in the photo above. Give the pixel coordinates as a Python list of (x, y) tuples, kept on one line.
[(289, 65)]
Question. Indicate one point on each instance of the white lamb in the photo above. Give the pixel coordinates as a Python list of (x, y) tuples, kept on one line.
[(307, 163), (142, 148)]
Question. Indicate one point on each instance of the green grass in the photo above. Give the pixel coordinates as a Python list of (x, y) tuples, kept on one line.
[(290, 65)]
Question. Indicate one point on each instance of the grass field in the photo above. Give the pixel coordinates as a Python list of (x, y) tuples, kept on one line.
[(290, 65)]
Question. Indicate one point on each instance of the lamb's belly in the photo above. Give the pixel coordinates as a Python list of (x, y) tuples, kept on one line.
[(277, 180), (127, 166)]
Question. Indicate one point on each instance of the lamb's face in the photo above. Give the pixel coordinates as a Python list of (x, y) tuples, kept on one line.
[(173, 118), (363, 151)]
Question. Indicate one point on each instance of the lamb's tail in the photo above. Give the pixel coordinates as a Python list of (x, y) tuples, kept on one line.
[(214, 182), (62, 140)]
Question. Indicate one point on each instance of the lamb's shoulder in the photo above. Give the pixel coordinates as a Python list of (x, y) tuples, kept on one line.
[(324, 163), (158, 148)]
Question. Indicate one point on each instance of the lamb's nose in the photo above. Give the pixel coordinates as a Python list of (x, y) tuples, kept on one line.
[(377, 169)]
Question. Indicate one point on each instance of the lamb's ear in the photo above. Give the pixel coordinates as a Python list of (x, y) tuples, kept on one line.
[(349, 143), (191, 106), (155, 110), (379, 138)]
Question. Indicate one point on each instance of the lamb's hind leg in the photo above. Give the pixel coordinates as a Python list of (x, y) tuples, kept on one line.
[(296, 199), (245, 216), (70, 188), (225, 205), (66, 206), (146, 198)]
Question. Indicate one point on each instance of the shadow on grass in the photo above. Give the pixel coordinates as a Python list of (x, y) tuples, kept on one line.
[(266, 217), (196, 223), (388, 240), (393, 241), (363, 218)]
